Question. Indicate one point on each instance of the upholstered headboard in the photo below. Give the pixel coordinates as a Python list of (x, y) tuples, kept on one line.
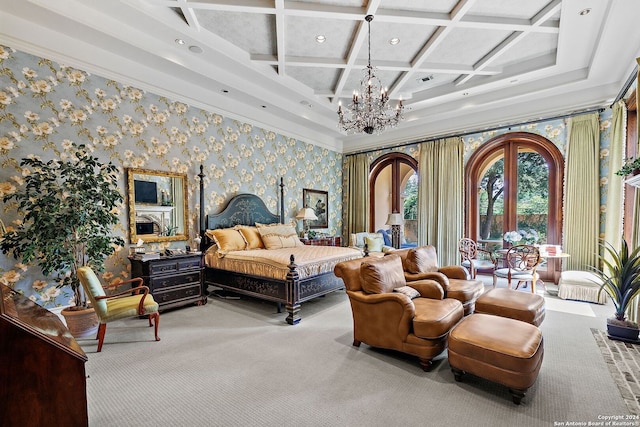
[(242, 209)]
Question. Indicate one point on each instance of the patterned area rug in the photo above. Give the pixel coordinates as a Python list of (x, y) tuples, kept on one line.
[(623, 360)]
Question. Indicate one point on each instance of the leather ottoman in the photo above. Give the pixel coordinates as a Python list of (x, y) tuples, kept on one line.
[(498, 349), (517, 305)]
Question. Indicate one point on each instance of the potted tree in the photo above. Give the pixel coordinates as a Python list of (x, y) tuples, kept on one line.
[(620, 275), (67, 210)]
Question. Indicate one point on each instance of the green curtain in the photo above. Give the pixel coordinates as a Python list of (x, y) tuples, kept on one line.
[(355, 212), (441, 197), (635, 227), (614, 208), (633, 313), (582, 198)]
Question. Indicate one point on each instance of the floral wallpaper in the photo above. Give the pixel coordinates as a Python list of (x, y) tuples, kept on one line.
[(45, 106)]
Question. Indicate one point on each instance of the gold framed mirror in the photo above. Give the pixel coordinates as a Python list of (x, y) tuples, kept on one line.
[(158, 209)]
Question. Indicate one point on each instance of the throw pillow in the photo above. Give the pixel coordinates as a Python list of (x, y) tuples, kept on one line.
[(374, 244), (227, 239), (408, 291), (382, 275), (277, 236), (422, 260), (251, 236)]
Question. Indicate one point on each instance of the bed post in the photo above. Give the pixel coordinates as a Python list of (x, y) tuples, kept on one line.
[(292, 284), (203, 224), (281, 200)]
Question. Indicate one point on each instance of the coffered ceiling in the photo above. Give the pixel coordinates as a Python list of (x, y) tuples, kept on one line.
[(458, 65)]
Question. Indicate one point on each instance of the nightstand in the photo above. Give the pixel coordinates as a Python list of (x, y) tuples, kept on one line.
[(173, 281), (323, 241)]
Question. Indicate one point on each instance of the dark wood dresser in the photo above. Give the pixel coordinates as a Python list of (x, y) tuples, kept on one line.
[(173, 281), (42, 372)]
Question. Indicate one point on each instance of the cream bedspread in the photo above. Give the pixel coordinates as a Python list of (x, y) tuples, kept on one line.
[(272, 263)]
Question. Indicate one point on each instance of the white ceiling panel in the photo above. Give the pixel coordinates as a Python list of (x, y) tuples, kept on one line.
[(459, 64)]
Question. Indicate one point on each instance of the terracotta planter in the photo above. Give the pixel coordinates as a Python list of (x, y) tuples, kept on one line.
[(82, 323)]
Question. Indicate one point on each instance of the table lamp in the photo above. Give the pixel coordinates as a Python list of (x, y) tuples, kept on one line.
[(395, 221), (306, 214)]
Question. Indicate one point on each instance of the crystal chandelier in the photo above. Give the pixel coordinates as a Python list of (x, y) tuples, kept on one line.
[(369, 110)]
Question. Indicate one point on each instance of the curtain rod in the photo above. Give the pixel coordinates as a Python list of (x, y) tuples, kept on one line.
[(404, 144), (627, 85)]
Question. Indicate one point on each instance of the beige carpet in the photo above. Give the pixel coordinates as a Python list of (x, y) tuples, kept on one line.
[(623, 361), (237, 363)]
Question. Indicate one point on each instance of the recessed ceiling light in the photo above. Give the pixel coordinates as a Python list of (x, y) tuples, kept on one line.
[(224, 91), (321, 39), (179, 41), (195, 49), (264, 106), (394, 41), (584, 11)]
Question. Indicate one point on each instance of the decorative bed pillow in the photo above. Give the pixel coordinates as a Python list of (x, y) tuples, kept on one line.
[(422, 260), (251, 236), (227, 239), (277, 236), (408, 291), (382, 275), (374, 244)]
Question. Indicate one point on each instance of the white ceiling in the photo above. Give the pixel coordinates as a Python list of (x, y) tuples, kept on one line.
[(490, 62)]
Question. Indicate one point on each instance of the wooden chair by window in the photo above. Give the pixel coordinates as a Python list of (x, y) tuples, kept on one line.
[(475, 258), (128, 303), (522, 262)]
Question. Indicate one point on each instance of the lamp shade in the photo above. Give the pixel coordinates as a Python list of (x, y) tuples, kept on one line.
[(394, 219), (306, 213)]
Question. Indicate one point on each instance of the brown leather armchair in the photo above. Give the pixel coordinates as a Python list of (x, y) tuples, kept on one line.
[(422, 263), (386, 315)]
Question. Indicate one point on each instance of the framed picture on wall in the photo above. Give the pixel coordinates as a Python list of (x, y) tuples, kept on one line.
[(317, 200)]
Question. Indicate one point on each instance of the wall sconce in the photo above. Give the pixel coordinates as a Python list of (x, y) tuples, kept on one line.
[(306, 214), (395, 221)]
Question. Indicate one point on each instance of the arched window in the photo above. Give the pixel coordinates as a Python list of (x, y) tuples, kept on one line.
[(514, 183), (393, 187)]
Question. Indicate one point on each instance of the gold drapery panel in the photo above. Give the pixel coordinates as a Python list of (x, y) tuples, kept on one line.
[(582, 192), (440, 197), (356, 195)]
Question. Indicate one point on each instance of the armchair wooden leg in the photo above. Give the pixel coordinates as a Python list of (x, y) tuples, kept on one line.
[(101, 331), (356, 343), (156, 322), (426, 364)]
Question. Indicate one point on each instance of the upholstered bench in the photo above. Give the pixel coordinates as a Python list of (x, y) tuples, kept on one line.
[(581, 286), (517, 305), (498, 349)]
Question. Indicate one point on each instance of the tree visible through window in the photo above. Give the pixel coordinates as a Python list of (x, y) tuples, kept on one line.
[(532, 197)]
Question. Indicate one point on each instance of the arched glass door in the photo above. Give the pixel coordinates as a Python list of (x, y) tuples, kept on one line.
[(514, 183), (394, 188)]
